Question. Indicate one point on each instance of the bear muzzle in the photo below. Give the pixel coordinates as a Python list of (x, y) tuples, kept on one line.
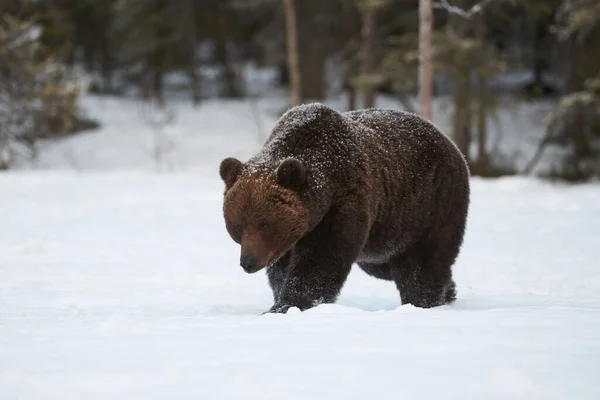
[(248, 263)]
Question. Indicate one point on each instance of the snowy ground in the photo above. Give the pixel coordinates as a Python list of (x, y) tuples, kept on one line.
[(120, 283), (126, 286), (197, 139)]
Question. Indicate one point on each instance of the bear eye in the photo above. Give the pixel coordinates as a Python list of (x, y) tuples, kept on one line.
[(263, 226), (238, 228)]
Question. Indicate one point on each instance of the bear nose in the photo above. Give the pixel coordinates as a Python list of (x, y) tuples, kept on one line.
[(248, 263)]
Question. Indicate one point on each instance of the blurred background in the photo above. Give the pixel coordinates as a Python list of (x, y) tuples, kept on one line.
[(178, 85)]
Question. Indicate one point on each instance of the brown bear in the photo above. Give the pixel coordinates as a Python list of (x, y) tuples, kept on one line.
[(383, 189)]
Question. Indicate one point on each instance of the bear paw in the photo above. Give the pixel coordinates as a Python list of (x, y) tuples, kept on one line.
[(279, 309)]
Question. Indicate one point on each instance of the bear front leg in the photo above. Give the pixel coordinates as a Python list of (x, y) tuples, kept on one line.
[(310, 285), (277, 274), (320, 262)]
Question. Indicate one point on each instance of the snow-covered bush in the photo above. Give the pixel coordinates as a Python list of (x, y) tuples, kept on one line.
[(574, 126), (38, 96)]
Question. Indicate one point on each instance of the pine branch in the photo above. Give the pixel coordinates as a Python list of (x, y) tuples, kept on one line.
[(476, 9)]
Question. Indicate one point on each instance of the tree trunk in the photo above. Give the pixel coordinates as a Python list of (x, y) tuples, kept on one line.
[(573, 81), (462, 96), (228, 75), (309, 16), (368, 57), (462, 115), (351, 23), (157, 80), (482, 155), (159, 57), (5, 154), (538, 53), (351, 98), (190, 38), (292, 50), (425, 73), (312, 69), (106, 66), (584, 60), (106, 55)]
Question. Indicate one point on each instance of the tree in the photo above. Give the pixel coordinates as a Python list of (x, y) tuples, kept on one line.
[(189, 10), (579, 27), (574, 126), (425, 70), (312, 18), (145, 36), (292, 50), (368, 61), (461, 52), (228, 75), (370, 76), (38, 97)]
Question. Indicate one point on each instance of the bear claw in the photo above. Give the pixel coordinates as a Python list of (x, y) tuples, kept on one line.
[(279, 309)]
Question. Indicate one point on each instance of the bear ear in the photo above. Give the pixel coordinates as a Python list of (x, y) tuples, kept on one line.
[(229, 170), (291, 173)]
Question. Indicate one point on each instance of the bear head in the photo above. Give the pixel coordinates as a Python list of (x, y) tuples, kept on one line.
[(263, 209)]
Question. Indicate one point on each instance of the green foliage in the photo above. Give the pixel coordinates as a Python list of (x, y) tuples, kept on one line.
[(578, 25), (363, 82), (584, 17), (143, 27), (592, 85), (38, 97), (401, 62), (539, 9), (462, 56), (366, 5), (460, 53), (574, 126)]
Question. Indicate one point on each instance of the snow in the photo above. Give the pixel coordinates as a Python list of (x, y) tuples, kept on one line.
[(117, 282), (199, 138), (125, 285)]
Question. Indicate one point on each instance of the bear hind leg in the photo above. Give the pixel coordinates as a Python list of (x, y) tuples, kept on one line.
[(450, 294), (423, 275)]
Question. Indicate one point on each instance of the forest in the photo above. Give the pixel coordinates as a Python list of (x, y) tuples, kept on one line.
[(482, 52)]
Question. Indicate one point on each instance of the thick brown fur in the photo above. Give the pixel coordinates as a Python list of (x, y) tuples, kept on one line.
[(383, 189)]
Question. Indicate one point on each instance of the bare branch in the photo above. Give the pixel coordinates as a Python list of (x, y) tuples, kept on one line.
[(157, 117), (476, 9)]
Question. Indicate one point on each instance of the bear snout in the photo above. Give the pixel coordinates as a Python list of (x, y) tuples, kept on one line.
[(248, 263)]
